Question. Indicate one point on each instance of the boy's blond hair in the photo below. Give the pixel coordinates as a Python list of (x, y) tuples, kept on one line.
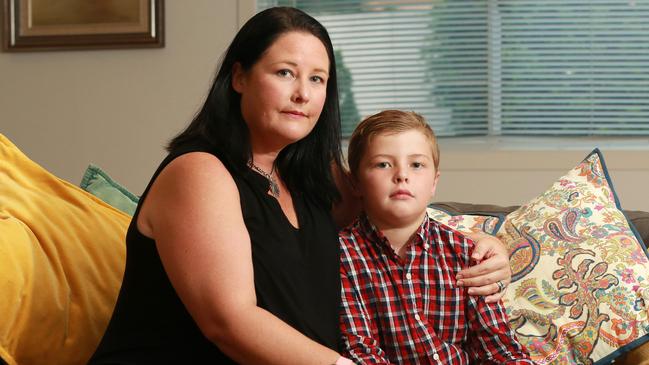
[(387, 122)]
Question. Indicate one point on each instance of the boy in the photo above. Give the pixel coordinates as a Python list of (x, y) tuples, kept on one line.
[(400, 303)]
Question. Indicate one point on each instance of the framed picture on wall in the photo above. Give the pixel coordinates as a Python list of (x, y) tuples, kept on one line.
[(42, 25)]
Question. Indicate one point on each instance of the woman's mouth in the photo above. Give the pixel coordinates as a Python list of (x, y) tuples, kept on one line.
[(295, 113)]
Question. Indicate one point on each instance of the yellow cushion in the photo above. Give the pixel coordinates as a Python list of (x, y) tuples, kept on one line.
[(62, 259)]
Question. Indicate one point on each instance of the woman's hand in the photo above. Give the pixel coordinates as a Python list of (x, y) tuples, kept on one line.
[(492, 266)]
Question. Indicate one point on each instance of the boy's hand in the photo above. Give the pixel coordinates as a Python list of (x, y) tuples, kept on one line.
[(492, 266)]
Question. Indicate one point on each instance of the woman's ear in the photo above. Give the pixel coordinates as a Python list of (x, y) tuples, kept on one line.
[(238, 77)]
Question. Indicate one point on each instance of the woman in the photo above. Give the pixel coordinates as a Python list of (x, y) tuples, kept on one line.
[(232, 254)]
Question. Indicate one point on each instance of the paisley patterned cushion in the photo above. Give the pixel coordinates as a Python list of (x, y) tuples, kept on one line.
[(580, 282), (466, 223)]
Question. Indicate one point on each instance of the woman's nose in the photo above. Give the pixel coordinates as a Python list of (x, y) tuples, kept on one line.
[(301, 92)]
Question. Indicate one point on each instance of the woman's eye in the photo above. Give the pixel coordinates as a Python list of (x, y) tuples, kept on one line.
[(318, 79), (284, 73)]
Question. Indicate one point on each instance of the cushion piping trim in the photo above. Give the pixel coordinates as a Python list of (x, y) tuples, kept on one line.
[(617, 200)]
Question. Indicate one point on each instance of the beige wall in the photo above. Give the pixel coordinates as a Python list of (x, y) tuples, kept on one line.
[(509, 173), (117, 108)]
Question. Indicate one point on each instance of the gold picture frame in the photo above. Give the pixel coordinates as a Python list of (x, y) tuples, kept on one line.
[(43, 25)]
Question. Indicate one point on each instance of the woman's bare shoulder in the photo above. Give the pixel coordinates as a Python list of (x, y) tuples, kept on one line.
[(188, 186)]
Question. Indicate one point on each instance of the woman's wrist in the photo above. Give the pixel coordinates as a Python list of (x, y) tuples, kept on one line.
[(343, 361)]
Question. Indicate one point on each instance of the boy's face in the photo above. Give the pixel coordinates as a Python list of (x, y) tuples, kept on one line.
[(397, 178)]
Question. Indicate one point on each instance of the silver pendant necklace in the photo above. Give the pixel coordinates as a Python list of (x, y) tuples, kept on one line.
[(274, 187)]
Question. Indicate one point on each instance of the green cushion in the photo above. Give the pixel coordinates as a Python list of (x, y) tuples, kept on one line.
[(98, 183)]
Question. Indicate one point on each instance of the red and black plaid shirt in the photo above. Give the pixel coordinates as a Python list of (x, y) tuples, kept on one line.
[(409, 311)]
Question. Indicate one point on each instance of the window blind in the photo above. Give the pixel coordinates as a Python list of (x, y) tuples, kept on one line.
[(574, 67), (493, 67)]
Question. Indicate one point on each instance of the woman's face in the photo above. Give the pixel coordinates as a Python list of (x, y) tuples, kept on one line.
[(282, 95)]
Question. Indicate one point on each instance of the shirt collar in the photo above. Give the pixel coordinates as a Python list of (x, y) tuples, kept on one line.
[(376, 237)]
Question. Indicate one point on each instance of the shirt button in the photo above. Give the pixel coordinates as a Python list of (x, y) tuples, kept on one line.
[(436, 356), (408, 276), (426, 245), (417, 316)]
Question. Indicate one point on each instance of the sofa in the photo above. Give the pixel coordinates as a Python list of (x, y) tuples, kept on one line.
[(640, 219), (579, 263)]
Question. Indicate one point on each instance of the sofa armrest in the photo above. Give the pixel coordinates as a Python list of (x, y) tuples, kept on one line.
[(640, 220)]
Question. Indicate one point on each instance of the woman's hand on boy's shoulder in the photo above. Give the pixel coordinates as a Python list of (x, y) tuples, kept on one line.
[(491, 267)]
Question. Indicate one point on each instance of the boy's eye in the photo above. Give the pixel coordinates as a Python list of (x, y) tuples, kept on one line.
[(382, 165), (417, 165)]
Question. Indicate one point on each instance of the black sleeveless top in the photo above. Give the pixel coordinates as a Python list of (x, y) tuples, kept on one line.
[(296, 273)]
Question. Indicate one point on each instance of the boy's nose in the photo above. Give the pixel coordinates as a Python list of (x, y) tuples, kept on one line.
[(401, 176)]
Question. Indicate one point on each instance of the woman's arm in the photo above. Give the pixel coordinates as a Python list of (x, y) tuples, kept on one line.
[(492, 260), (194, 215)]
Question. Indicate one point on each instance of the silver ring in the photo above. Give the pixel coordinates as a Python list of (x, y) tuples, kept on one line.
[(501, 286)]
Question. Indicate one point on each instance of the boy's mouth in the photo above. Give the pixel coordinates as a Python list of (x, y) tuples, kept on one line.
[(401, 194)]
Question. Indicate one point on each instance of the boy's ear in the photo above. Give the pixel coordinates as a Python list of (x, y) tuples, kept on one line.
[(434, 187)]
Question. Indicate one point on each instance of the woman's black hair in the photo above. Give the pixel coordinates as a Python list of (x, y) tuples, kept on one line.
[(305, 166)]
